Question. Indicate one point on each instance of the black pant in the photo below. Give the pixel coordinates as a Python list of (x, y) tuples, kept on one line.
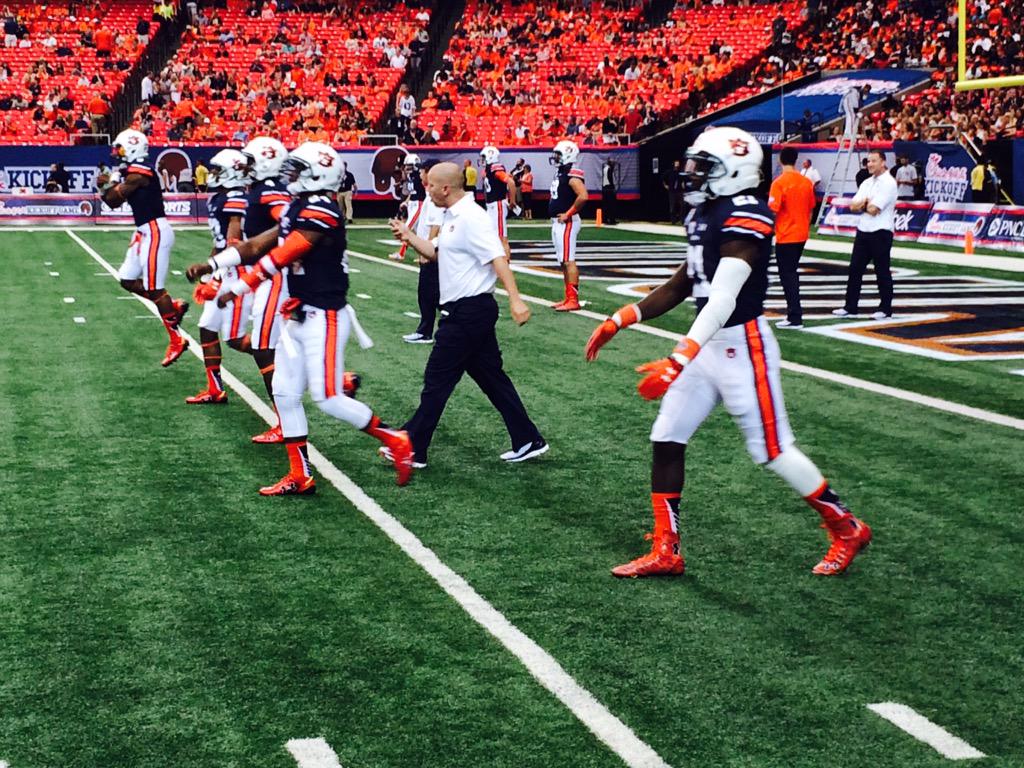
[(787, 256), (608, 202), (466, 343), (675, 206), (428, 292), (871, 247)]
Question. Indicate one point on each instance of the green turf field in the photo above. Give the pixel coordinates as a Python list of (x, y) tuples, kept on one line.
[(154, 611)]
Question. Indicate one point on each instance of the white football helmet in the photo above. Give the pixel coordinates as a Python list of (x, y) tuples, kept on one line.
[(130, 146), (489, 155), (412, 161), (264, 155), (565, 153), (311, 167), (722, 161), (228, 170)]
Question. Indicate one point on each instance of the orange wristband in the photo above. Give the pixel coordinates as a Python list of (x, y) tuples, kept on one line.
[(626, 316)]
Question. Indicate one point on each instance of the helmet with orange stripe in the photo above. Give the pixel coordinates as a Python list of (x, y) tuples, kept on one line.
[(722, 161), (312, 167)]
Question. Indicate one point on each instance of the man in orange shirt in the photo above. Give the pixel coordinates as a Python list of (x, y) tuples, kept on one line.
[(792, 198)]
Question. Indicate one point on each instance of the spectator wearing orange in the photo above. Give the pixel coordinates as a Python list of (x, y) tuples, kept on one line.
[(792, 198), (99, 110)]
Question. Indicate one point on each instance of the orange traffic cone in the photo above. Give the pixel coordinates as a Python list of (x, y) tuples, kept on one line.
[(969, 242), (600, 219)]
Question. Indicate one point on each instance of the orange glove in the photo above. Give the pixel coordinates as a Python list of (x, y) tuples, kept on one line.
[(204, 292), (661, 373), (624, 317), (253, 277)]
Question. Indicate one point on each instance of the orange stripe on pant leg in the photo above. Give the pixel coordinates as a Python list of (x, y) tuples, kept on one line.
[(566, 240), (154, 250), (331, 354), (270, 312), (755, 345), (501, 221), (236, 317)]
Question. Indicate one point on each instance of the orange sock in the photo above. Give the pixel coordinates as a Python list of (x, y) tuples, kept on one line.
[(298, 456), (171, 324), (666, 514), (827, 504), (379, 429), (572, 292), (213, 378)]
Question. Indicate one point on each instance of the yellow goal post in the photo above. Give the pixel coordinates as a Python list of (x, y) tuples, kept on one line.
[(963, 83)]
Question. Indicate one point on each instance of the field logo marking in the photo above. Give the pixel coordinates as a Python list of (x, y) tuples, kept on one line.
[(615, 734), (923, 729), (830, 376), (313, 753)]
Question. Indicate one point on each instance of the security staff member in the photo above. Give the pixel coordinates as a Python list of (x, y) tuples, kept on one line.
[(470, 258), (792, 199), (875, 201)]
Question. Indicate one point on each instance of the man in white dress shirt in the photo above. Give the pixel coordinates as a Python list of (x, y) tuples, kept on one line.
[(470, 259), (875, 201)]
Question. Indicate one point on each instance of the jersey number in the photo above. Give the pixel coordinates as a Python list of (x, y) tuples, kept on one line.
[(745, 200), (695, 263)]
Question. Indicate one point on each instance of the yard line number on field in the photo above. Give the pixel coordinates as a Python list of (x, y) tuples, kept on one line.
[(615, 734)]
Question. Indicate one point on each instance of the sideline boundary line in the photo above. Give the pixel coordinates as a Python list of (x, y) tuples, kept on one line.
[(935, 403), (544, 668)]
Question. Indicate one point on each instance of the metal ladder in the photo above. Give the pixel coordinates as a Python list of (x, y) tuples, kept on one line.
[(844, 156)]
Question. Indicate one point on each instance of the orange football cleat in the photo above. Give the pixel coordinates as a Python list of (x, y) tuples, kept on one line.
[(175, 350), (272, 435), (663, 560), (208, 397), (568, 305), (852, 536), (291, 485), (399, 448)]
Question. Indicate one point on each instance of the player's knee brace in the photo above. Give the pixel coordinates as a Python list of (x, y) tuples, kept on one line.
[(796, 469), (291, 413)]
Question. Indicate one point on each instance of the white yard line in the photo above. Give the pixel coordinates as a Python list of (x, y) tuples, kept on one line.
[(830, 376), (313, 753), (923, 729), (615, 734)]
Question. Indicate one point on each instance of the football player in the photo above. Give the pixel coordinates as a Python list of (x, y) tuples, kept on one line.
[(145, 265), (499, 192), (416, 194), (729, 355), (426, 222), (310, 239), (266, 200), (227, 207), (568, 196)]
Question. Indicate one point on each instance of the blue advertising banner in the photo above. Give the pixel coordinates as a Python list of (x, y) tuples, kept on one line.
[(909, 220), (822, 99), (377, 170), (944, 166)]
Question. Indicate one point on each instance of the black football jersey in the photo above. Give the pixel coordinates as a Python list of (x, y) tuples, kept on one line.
[(320, 277), (147, 202), (494, 188), (562, 195), (417, 191), (717, 221), (266, 200), (224, 205)]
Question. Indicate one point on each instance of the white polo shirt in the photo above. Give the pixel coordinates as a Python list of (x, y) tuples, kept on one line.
[(466, 246), (879, 191)]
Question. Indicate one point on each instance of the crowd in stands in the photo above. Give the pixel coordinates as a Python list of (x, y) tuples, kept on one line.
[(299, 72), (515, 71), (62, 64), (524, 72)]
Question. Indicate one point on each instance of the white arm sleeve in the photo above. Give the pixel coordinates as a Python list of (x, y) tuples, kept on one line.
[(725, 287)]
